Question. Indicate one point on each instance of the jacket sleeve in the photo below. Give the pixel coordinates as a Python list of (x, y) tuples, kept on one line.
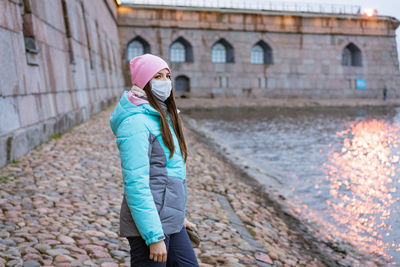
[(133, 148)]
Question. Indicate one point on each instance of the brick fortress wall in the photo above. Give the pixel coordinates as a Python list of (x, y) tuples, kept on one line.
[(307, 51)]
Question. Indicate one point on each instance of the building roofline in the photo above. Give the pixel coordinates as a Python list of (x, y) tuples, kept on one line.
[(264, 12)]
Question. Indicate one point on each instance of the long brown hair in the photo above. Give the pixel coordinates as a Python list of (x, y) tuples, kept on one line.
[(175, 119)]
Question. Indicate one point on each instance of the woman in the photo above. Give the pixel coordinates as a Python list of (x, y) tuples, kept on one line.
[(153, 154)]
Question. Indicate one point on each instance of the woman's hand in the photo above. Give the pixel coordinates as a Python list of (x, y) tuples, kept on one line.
[(158, 251), (187, 223)]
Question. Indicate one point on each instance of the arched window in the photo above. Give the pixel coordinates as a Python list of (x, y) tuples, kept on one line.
[(181, 51), (346, 57), (137, 47), (218, 54), (261, 53), (351, 56), (222, 52), (257, 55), (182, 84), (177, 52)]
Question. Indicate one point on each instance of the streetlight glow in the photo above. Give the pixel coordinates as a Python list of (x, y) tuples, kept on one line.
[(369, 12)]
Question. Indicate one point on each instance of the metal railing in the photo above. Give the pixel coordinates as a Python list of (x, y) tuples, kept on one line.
[(254, 5)]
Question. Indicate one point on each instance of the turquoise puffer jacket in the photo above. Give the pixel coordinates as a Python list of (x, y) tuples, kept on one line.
[(155, 190)]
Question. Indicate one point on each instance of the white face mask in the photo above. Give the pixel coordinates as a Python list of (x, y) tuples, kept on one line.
[(161, 89)]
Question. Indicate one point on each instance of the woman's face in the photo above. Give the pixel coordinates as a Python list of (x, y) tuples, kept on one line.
[(162, 75)]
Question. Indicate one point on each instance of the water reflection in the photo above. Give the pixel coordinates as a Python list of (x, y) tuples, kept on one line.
[(362, 170), (342, 165)]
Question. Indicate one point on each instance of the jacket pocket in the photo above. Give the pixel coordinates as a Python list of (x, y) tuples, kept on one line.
[(175, 194), (158, 189), (172, 212)]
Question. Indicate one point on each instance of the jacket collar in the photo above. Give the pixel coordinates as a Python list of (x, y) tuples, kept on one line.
[(142, 108), (132, 108)]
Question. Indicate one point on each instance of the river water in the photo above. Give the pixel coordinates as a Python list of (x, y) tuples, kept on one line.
[(341, 165)]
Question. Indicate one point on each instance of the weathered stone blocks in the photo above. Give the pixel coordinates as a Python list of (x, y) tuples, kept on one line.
[(43, 94), (10, 18), (9, 117), (8, 72)]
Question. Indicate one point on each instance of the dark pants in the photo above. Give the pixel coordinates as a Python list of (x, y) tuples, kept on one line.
[(179, 251)]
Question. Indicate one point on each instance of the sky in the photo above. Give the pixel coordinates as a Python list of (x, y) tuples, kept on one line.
[(384, 7)]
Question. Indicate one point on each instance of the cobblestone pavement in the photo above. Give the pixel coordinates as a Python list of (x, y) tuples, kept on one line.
[(59, 206)]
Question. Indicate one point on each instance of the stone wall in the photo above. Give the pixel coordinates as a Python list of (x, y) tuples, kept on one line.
[(307, 51), (60, 63)]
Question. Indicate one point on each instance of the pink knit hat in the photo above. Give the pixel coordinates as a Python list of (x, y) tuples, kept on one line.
[(144, 67)]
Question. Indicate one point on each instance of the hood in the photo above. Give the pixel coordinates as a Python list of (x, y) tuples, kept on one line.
[(125, 109)]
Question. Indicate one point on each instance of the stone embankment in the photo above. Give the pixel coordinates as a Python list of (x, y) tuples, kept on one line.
[(59, 206), (281, 102)]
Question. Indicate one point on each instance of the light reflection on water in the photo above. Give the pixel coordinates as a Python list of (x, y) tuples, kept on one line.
[(362, 173), (341, 164)]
